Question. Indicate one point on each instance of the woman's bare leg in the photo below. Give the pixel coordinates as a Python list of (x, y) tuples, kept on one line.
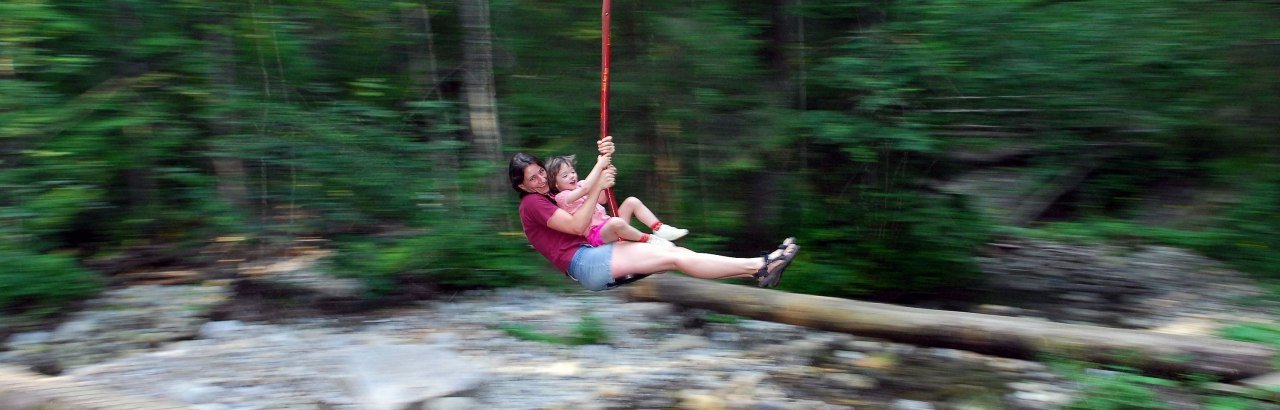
[(638, 257)]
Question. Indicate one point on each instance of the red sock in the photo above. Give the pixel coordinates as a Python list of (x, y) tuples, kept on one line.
[(656, 225), (644, 237)]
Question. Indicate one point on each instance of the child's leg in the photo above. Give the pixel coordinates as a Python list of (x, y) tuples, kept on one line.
[(618, 228), (633, 207)]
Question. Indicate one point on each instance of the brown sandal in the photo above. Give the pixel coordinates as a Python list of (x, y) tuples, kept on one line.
[(770, 277)]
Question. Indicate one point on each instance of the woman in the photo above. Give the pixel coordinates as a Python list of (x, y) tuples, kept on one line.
[(556, 234)]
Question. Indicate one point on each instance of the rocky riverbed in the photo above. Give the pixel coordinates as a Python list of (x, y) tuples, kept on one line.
[(183, 343), (653, 355)]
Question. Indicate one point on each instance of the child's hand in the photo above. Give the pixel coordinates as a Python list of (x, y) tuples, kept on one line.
[(603, 161)]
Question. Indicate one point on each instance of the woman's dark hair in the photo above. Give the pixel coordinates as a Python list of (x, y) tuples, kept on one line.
[(516, 170)]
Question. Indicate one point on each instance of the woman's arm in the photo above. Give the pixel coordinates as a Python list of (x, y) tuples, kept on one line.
[(577, 222)]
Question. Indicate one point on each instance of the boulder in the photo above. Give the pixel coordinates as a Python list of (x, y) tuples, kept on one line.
[(397, 377)]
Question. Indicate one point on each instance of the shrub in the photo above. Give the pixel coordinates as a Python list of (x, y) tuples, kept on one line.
[(447, 252), (912, 242), (1249, 233), (39, 284), (588, 331)]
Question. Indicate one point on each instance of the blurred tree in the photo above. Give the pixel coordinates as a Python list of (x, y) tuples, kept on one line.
[(481, 96), (165, 123), (218, 34)]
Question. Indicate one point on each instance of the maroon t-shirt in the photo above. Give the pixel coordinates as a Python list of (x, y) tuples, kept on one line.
[(558, 247)]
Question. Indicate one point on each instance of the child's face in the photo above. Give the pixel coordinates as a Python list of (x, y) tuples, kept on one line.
[(566, 179)]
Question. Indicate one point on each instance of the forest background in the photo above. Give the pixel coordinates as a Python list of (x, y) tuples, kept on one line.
[(142, 134)]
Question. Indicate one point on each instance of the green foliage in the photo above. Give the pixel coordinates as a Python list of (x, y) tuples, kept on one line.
[(1243, 236), (457, 257), (1254, 332), (1120, 391), (590, 330), (455, 245), (1119, 387), (33, 283), (1230, 403), (176, 121), (1113, 230), (1114, 388), (904, 241), (1249, 233), (1073, 71), (722, 318)]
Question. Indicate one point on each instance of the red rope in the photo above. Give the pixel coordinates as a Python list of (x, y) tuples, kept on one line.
[(604, 90)]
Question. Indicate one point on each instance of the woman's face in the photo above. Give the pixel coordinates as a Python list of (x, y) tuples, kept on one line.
[(535, 180)]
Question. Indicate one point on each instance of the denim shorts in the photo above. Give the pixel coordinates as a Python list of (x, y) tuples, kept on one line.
[(590, 266)]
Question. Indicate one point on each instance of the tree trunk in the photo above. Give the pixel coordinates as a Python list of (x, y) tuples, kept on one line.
[(424, 78), (478, 82), (766, 203), (1005, 336), (228, 169), (421, 50), (656, 135), (661, 185), (137, 175)]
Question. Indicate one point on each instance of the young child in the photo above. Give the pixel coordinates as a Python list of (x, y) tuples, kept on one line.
[(570, 194)]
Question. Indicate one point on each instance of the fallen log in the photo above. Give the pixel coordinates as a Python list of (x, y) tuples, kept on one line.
[(173, 277), (1024, 338)]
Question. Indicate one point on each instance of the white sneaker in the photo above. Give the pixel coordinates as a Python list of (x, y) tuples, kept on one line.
[(654, 239), (670, 233)]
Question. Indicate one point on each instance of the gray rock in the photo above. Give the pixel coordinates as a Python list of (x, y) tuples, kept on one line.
[(852, 381), (226, 329), (28, 338), (865, 345), (194, 392), (748, 364), (725, 337), (391, 377), (700, 400), (637, 310), (73, 330), (683, 342), (903, 404), (602, 353), (848, 356), (807, 349), (453, 403), (1043, 399)]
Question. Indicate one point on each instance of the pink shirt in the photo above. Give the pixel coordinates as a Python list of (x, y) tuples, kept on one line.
[(597, 218), (558, 247)]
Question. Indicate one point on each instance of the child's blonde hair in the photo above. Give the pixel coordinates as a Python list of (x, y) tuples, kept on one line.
[(554, 165)]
